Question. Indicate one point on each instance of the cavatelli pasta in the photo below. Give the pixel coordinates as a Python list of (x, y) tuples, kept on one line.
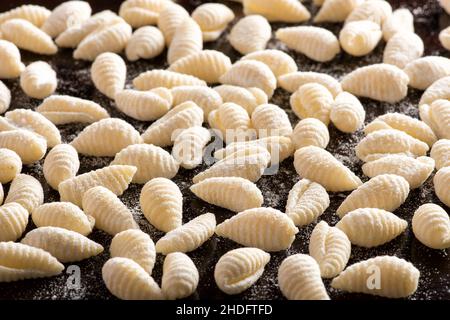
[(444, 38), (250, 34), (248, 98), (12, 65), (186, 40), (180, 276), (271, 120), (169, 19), (440, 152), (5, 97), (312, 100), (29, 146), (115, 178), (377, 11), (320, 166), (189, 236), (189, 145), (282, 10), (151, 162), (164, 78), (347, 113), (38, 80), (335, 10), (291, 82), (139, 13), (145, 43), (431, 226), (33, 13), (205, 97), (278, 61), (359, 38), (423, 72), (441, 183), (401, 20), (61, 163), (440, 89), (10, 165), (108, 73), (437, 116), (162, 204), (213, 18), (110, 214), (13, 221), (26, 191)]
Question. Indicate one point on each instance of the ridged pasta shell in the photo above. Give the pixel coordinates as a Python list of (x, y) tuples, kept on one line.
[(10, 165), (385, 191), (232, 121), (310, 132), (164, 78), (335, 10), (186, 40), (33, 13), (64, 215), (146, 43), (26, 191), (115, 178), (278, 61), (441, 182), (401, 20), (331, 248), (19, 261), (281, 10), (347, 113), (250, 34), (265, 228), (28, 146), (403, 48), (437, 116), (135, 245), (38, 80), (65, 15), (440, 152), (431, 226), (169, 19), (109, 72), (397, 278), (271, 120), (423, 72), (63, 244), (5, 97), (248, 98), (312, 100), (110, 214), (320, 166), (306, 202), (13, 221), (189, 236), (291, 82), (299, 279), (377, 11), (61, 163), (180, 276), (213, 19), (139, 13), (12, 65), (189, 146), (440, 89), (105, 138), (238, 269), (359, 38), (205, 97)]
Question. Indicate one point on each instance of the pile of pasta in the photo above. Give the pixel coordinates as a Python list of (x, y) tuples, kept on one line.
[(179, 100)]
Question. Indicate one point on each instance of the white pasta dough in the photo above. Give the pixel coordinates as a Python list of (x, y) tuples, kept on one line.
[(180, 276), (169, 19), (139, 13), (299, 279), (377, 11), (108, 72), (347, 113), (29, 146), (359, 38), (5, 97), (440, 89), (312, 100), (424, 71), (444, 38), (61, 163), (291, 82), (10, 165), (271, 120), (401, 20), (189, 146), (205, 97), (26, 191), (250, 34), (281, 10), (310, 132), (145, 43), (440, 152), (187, 40), (33, 13), (13, 221), (213, 18), (12, 65), (441, 182), (164, 78), (397, 277), (335, 10), (437, 116), (264, 228), (431, 226), (38, 80), (238, 269)]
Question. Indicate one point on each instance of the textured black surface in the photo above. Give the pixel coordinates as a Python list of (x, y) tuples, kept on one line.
[(74, 79)]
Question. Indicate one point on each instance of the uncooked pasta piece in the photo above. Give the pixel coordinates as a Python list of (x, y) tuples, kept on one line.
[(115, 178), (299, 279), (189, 236), (10, 165), (105, 138), (161, 132), (441, 183), (213, 18), (108, 72), (144, 105), (38, 80), (248, 98), (61, 163), (65, 15), (250, 34), (162, 204), (291, 82), (29, 146), (359, 38), (33, 13), (61, 109), (377, 11), (440, 152), (437, 116), (64, 215), (127, 280), (169, 19), (394, 277), (13, 221), (331, 248), (19, 261), (145, 43), (12, 65), (265, 228), (382, 82), (271, 120), (208, 65), (423, 72), (238, 269), (312, 100), (278, 61), (251, 73), (26, 191), (347, 113), (316, 43), (27, 36), (307, 200), (205, 97), (335, 10), (444, 38), (180, 276), (189, 145), (187, 40), (139, 13), (135, 245), (431, 226), (164, 78), (310, 132), (401, 20), (282, 10), (110, 214), (440, 89), (319, 165), (5, 97)]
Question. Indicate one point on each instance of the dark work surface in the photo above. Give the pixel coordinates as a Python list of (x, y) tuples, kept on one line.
[(74, 79)]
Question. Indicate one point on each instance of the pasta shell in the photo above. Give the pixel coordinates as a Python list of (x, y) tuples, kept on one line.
[(38, 80), (401, 20), (397, 278), (28, 146), (310, 132), (5, 97), (208, 65), (115, 178), (423, 72), (26, 191), (347, 113), (146, 43), (19, 261), (271, 120), (33, 13), (250, 34), (331, 248), (10, 165), (12, 65), (248, 98), (441, 182), (291, 82), (63, 244), (306, 202), (189, 146), (335, 10), (13, 221), (359, 38), (299, 279), (312, 100), (61, 163), (232, 121), (108, 72), (105, 138), (282, 10), (431, 226), (238, 269), (189, 236), (444, 38), (127, 280), (386, 142), (187, 40), (110, 214), (265, 228), (205, 97), (320, 166), (164, 78), (440, 89), (27, 36), (64, 215), (135, 245), (278, 61), (377, 11), (437, 116), (180, 276), (440, 152), (67, 14), (169, 19), (139, 13), (316, 43), (144, 105), (213, 18), (385, 191)]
